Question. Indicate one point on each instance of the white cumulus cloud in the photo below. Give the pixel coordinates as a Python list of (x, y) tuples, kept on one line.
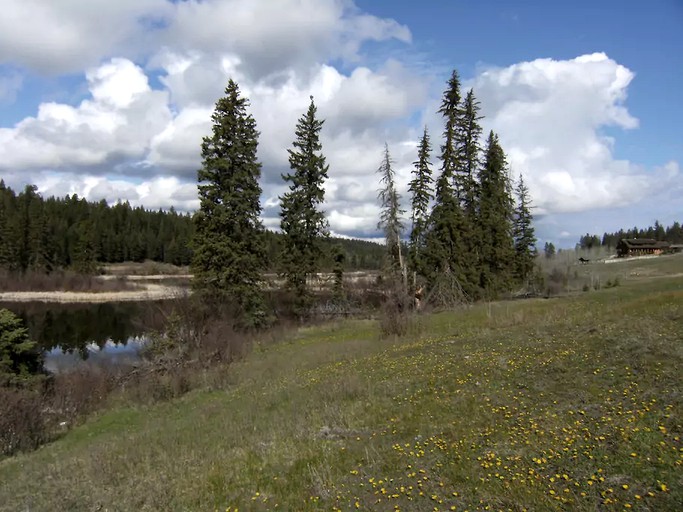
[(111, 128), (550, 115)]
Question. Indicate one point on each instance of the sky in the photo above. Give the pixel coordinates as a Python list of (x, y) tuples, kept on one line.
[(110, 100)]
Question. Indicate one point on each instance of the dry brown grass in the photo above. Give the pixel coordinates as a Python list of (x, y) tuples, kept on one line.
[(61, 280)]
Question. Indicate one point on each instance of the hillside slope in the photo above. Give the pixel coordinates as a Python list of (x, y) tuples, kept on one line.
[(561, 404)]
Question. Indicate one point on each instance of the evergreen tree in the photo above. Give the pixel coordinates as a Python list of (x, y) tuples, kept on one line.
[(448, 265), (229, 248), (40, 245), (523, 232), (303, 223), (6, 242), (496, 210), (19, 357), (390, 219), (84, 257), (658, 231), (468, 134), (338, 271), (421, 189), (549, 250)]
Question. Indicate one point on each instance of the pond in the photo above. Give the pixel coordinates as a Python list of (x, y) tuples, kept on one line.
[(101, 334)]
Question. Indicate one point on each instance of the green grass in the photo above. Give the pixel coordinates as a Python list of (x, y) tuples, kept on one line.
[(571, 403)]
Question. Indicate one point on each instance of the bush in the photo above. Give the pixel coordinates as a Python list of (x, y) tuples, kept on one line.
[(22, 425), (556, 282), (76, 393), (397, 314)]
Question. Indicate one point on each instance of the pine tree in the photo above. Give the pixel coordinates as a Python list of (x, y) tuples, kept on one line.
[(229, 248), (6, 239), (84, 253), (303, 223), (496, 210), (523, 232), (390, 220), (421, 189), (549, 250), (338, 271), (468, 135), (469, 150), (20, 358), (447, 262), (41, 246)]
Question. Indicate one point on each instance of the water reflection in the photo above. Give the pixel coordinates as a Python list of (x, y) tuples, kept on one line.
[(111, 332)]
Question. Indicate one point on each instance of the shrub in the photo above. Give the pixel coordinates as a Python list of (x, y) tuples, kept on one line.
[(556, 282), (76, 393), (397, 314), (22, 426)]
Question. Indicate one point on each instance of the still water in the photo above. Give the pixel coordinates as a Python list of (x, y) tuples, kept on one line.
[(102, 334)]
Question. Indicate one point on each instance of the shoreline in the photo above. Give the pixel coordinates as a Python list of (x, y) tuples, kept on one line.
[(145, 292)]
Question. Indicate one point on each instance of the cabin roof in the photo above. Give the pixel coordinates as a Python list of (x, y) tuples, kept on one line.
[(644, 243)]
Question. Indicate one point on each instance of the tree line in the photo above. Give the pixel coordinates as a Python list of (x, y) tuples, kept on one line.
[(46, 234), (471, 233), (672, 234), (43, 235)]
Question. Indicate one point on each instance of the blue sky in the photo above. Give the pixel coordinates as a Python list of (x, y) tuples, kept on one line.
[(110, 100), (646, 37)]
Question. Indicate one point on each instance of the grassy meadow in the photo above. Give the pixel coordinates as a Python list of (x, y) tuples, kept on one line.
[(570, 403)]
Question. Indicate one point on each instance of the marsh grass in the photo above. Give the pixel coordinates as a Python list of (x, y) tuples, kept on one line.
[(59, 280), (572, 403)]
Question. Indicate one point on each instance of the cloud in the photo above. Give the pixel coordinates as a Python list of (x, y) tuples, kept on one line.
[(271, 37), (107, 132), (550, 115), (157, 192), (69, 35), (10, 84), (357, 109), (274, 37)]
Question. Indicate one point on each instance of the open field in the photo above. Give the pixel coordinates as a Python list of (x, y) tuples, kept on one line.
[(600, 273), (572, 403)]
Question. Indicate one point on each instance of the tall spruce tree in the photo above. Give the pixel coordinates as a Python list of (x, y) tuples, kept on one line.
[(469, 151), (390, 220), (303, 223), (229, 248), (421, 189), (523, 233), (448, 265), (496, 212), (468, 135)]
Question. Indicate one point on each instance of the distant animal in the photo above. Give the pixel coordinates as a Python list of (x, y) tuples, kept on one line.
[(418, 297), (584, 260)]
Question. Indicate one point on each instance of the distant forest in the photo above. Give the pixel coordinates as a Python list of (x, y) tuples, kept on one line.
[(43, 235), (672, 234)]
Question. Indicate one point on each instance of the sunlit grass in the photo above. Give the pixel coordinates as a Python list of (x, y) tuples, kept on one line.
[(560, 404)]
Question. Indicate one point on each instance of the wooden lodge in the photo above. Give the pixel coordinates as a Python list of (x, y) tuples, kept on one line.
[(641, 247)]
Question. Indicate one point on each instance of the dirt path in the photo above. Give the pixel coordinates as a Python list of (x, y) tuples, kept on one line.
[(144, 292)]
